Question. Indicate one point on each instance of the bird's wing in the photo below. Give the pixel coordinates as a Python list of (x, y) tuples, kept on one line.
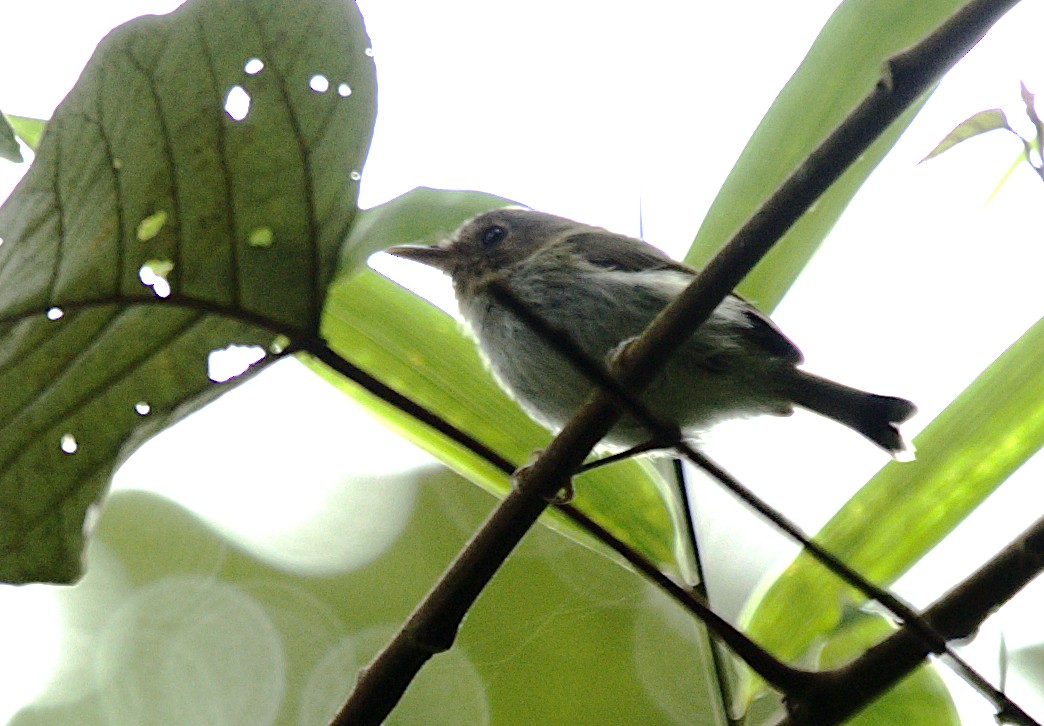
[(624, 254), (617, 252), (764, 334)]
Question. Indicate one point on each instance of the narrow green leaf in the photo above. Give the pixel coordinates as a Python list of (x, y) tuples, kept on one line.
[(422, 352), (981, 438), (143, 178), (976, 124), (8, 143), (27, 129), (843, 64)]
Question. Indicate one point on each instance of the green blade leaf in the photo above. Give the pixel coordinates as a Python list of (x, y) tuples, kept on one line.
[(843, 64), (421, 352), (144, 137), (976, 124), (981, 438), (27, 129)]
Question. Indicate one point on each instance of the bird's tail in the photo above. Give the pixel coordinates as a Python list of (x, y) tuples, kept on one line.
[(875, 417)]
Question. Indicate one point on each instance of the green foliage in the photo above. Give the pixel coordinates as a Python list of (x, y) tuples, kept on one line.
[(27, 129), (245, 220), (843, 64), (168, 606), (990, 430), (994, 119), (990, 120), (142, 167)]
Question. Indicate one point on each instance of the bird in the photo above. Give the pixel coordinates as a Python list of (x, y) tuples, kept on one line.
[(602, 289)]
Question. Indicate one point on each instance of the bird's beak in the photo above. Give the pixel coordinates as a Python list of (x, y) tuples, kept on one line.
[(438, 257)]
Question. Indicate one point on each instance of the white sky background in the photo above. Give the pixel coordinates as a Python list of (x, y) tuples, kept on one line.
[(597, 110)]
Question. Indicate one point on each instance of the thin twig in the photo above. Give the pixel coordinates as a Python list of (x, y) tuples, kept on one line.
[(779, 675), (722, 677), (918, 625), (321, 350), (433, 625), (956, 615)]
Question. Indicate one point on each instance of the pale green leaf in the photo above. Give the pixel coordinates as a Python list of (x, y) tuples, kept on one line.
[(144, 137), (27, 129), (842, 66), (990, 120)]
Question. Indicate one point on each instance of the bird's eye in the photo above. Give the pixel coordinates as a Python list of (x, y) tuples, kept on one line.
[(492, 235)]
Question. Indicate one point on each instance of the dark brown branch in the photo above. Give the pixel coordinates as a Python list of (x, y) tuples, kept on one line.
[(322, 352), (956, 615), (433, 625)]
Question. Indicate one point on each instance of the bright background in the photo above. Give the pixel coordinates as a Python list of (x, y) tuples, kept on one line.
[(617, 114)]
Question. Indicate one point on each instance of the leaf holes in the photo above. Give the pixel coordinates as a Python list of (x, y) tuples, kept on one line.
[(344, 90), (319, 83), (261, 237), (142, 408), (237, 103), (253, 66), (55, 313), (224, 364), (368, 52), (151, 226), (68, 444), (154, 274), (279, 345), (354, 175)]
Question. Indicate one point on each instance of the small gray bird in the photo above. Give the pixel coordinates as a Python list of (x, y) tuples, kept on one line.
[(603, 289)]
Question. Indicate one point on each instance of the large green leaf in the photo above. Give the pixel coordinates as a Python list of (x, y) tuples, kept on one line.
[(843, 65), (143, 169), (419, 350), (990, 430)]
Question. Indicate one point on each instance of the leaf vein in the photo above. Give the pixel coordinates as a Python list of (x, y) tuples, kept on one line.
[(307, 179), (101, 387)]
